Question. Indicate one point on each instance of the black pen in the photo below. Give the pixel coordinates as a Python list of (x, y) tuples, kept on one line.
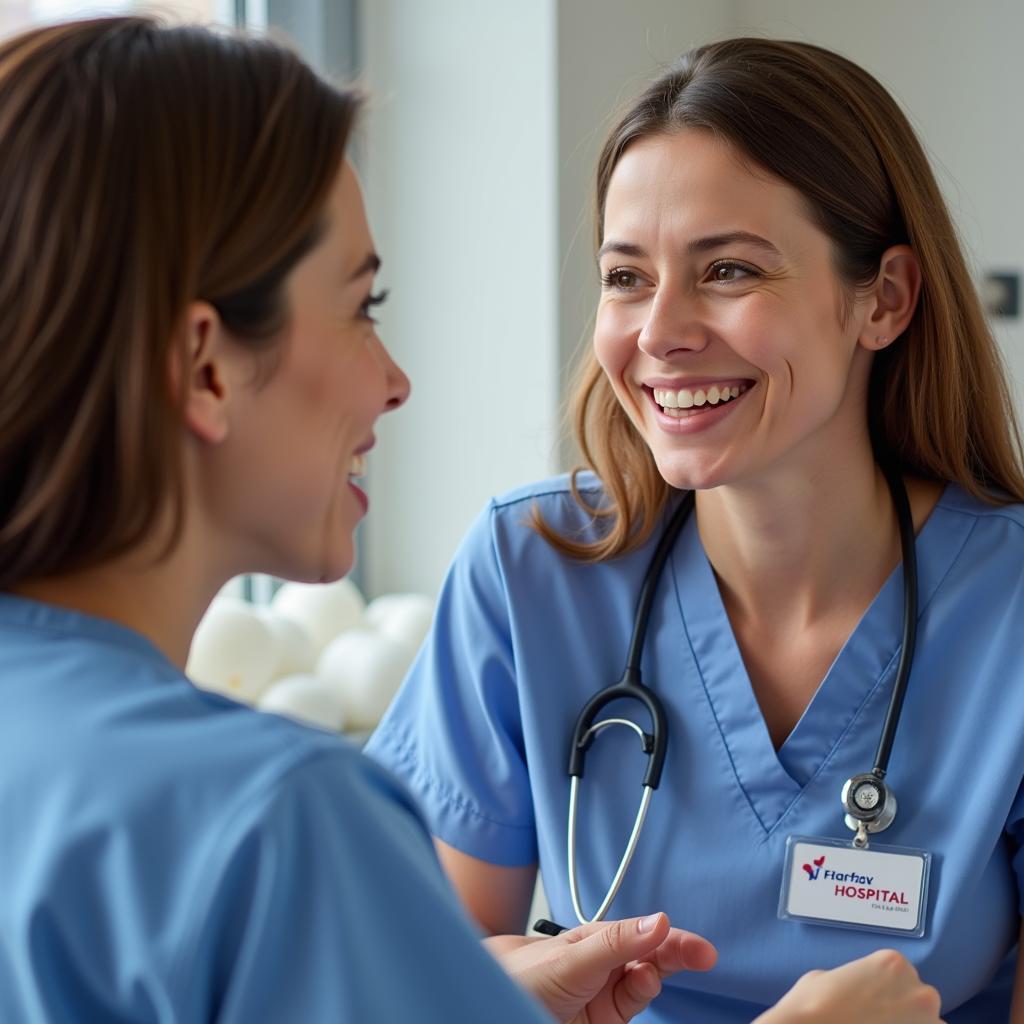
[(546, 927)]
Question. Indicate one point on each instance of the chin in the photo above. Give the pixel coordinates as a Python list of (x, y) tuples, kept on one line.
[(691, 473)]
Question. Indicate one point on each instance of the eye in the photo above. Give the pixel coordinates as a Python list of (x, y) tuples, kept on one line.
[(369, 302), (620, 278), (728, 271)]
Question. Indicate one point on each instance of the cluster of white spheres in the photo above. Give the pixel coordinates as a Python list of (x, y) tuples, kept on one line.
[(318, 652)]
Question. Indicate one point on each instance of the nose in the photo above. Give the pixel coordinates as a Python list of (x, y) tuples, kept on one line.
[(674, 323), (397, 386)]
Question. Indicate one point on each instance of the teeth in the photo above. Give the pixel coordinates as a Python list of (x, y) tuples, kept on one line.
[(685, 398), (358, 466)]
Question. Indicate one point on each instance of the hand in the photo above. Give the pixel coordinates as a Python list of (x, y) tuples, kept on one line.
[(882, 988), (602, 973)]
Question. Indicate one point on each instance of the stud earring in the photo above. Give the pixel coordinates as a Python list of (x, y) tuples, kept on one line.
[(881, 338)]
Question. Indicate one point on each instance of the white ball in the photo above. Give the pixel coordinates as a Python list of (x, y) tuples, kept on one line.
[(307, 699), (294, 645), (323, 609), (233, 651), (405, 617), (366, 667)]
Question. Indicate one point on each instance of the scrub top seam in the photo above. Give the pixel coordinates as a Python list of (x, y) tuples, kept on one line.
[(406, 752), (501, 504), (882, 676), (133, 643), (1003, 512), (711, 705), (206, 890)]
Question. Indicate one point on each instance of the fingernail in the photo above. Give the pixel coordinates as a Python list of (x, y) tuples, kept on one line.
[(648, 924)]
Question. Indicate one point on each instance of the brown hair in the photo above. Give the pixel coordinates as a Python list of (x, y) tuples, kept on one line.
[(828, 129), (141, 167)]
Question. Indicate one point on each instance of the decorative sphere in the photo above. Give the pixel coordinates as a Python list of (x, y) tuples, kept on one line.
[(295, 654), (323, 609), (233, 651), (367, 668), (404, 617), (307, 699)]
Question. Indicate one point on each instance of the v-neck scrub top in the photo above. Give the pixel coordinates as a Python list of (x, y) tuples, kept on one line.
[(168, 856), (524, 636)]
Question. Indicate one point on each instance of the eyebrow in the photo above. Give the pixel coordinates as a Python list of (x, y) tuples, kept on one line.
[(698, 245), (370, 265)]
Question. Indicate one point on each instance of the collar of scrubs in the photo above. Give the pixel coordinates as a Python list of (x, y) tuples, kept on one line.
[(23, 613), (868, 660)]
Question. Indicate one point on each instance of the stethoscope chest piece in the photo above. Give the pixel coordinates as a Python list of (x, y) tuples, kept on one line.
[(870, 805)]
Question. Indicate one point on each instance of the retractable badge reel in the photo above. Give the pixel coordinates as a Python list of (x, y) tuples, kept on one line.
[(850, 884)]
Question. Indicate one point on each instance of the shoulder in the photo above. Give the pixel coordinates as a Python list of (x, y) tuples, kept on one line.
[(551, 491), (563, 507), (990, 520)]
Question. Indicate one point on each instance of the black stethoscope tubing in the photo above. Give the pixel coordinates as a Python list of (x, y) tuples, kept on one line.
[(872, 812)]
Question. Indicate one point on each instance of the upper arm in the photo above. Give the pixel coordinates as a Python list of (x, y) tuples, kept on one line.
[(1017, 1007), (454, 733), (337, 911), (498, 897)]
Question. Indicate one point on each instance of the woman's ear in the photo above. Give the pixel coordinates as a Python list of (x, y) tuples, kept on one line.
[(894, 297), (199, 375)]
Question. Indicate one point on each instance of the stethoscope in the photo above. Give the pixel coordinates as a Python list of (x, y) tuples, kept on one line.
[(869, 803)]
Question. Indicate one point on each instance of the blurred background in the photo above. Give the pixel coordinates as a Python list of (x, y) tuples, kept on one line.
[(477, 156)]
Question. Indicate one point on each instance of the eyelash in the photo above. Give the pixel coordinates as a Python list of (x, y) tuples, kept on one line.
[(370, 302), (732, 265), (612, 278)]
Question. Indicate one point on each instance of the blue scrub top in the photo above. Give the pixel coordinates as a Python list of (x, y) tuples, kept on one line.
[(168, 855), (524, 636)]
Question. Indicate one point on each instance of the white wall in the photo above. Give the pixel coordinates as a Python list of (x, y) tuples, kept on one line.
[(478, 157), (460, 143), (958, 71)]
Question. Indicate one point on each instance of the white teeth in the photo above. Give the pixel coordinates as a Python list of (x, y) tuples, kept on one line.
[(357, 467), (685, 398)]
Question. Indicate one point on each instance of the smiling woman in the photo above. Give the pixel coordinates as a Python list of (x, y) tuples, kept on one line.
[(786, 328)]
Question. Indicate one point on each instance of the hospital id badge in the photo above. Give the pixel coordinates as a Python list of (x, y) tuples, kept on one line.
[(878, 889)]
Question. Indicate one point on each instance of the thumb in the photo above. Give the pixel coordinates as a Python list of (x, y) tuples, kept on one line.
[(597, 949)]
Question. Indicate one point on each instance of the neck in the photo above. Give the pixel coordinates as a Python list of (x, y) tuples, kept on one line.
[(161, 599), (797, 547)]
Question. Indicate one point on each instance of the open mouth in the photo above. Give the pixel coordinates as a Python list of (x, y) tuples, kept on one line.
[(683, 403), (357, 467)]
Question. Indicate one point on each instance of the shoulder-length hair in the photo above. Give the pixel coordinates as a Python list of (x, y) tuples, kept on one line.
[(141, 167), (939, 402)]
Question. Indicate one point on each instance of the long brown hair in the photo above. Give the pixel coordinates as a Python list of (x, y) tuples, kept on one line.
[(141, 167), (827, 128)]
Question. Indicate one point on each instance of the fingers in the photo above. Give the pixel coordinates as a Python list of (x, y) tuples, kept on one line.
[(604, 946), (635, 990), (682, 951), (650, 940)]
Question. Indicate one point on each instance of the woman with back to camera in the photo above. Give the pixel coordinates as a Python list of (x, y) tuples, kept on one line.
[(787, 329)]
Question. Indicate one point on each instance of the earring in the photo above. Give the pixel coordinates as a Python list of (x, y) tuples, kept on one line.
[(881, 339)]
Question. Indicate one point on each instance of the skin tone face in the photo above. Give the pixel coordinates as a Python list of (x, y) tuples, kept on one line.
[(718, 293), (279, 481)]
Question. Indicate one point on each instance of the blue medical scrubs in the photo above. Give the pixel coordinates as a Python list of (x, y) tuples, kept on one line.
[(167, 855), (524, 636)]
